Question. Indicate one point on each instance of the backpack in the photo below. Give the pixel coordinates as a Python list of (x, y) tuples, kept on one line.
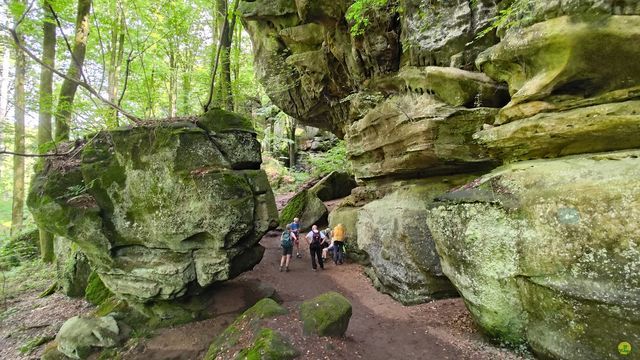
[(285, 240), (316, 239)]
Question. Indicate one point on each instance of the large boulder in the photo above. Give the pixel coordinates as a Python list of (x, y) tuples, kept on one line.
[(326, 315), (393, 232), (306, 206), (336, 185), (78, 337), (161, 210), (546, 252)]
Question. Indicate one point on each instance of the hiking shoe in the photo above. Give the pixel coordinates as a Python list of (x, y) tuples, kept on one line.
[(280, 268), (286, 269)]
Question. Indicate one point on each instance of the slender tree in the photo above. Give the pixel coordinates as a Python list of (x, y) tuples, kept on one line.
[(69, 88), (46, 106), (4, 79), (293, 149), (17, 209), (223, 56), (116, 55)]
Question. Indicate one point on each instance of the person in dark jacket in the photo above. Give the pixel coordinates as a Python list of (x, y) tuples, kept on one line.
[(315, 237)]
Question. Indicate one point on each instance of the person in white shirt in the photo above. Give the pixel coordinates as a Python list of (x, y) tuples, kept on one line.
[(315, 237)]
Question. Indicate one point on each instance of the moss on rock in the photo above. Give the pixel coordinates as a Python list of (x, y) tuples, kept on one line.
[(306, 206), (95, 292), (268, 344), (217, 120), (248, 325), (326, 315)]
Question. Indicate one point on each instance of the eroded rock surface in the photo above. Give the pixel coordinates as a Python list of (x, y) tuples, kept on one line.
[(547, 252), (163, 210)]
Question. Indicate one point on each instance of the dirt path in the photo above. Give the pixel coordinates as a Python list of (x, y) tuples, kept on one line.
[(380, 328)]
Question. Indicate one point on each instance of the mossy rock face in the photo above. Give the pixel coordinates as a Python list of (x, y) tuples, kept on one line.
[(268, 345), (306, 206), (95, 292), (393, 231), (72, 267), (248, 326), (446, 33), (336, 185), (21, 247), (162, 210), (545, 252), (326, 315), (451, 85)]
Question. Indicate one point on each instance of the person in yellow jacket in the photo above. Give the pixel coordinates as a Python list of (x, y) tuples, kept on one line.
[(338, 235)]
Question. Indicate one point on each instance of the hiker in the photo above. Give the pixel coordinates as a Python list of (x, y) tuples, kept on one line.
[(327, 243), (286, 242), (315, 237), (295, 227), (338, 235)]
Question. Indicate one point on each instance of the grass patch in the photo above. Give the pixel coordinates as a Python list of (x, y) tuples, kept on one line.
[(28, 276)]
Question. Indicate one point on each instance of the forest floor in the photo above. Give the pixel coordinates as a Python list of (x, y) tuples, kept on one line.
[(380, 328)]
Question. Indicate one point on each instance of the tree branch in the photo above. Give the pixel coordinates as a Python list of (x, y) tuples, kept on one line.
[(82, 84), (7, 152)]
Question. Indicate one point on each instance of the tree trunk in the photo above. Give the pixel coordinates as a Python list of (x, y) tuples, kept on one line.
[(292, 143), (46, 105), (17, 209), (4, 80), (116, 56), (173, 82), (185, 107), (272, 132), (236, 67), (224, 94), (68, 89)]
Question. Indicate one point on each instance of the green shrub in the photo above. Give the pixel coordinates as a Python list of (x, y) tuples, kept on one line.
[(360, 12), (332, 160)]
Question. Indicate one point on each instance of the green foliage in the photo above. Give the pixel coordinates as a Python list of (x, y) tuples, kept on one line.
[(333, 160), (512, 16), (282, 179), (360, 12), (76, 190), (29, 276)]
